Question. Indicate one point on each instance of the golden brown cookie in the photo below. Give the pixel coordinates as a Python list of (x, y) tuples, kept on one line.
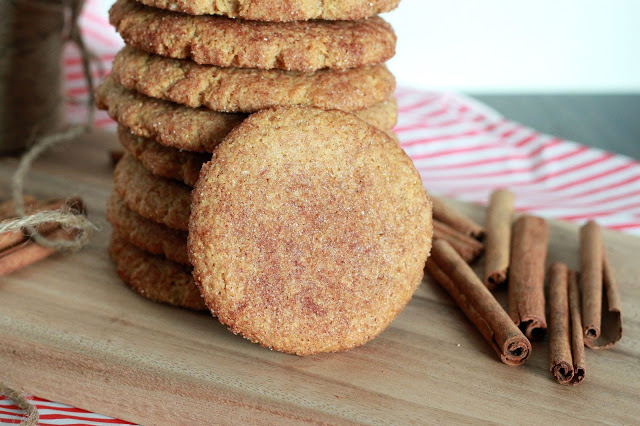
[(309, 230), (383, 115), (249, 90), (195, 129), (158, 199), (154, 277), (183, 166), (192, 129), (215, 40), (171, 163), (279, 10), (146, 234)]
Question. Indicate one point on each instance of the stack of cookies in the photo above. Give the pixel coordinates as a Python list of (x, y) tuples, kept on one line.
[(193, 70)]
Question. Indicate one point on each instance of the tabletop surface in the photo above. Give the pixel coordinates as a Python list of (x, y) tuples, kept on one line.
[(610, 122)]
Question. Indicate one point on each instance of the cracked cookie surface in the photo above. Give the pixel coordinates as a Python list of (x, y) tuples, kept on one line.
[(170, 124), (279, 10), (249, 90), (215, 40), (195, 129)]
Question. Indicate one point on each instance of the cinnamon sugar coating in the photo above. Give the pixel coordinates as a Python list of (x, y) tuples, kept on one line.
[(309, 230), (248, 90), (192, 129), (196, 129), (383, 115), (215, 40), (279, 10)]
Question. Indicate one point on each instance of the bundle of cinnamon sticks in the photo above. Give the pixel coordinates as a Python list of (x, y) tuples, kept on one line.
[(17, 249), (515, 255)]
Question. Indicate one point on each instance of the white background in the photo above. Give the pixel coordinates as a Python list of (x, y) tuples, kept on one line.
[(518, 45)]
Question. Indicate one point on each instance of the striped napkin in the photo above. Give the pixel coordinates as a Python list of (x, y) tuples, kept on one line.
[(462, 149), (465, 150)]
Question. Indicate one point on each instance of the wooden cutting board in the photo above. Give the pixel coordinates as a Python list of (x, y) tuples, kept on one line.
[(70, 331)]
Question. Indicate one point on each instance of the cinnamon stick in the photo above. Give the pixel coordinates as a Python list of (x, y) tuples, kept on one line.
[(601, 314), (451, 271), (611, 326), (17, 257), (8, 208), (11, 238), (526, 275), (498, 229), (560, 358), (577, 341), (455, 219), (469, 248), (591, 261)]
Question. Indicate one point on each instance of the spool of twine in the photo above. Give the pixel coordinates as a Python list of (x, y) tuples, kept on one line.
[(32, 36)]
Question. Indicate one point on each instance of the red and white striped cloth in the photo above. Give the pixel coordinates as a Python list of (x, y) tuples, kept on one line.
[(462, 149), (52, 413), (465, 150)]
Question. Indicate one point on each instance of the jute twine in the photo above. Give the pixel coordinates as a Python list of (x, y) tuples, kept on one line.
[(36, 42), (29, 409)]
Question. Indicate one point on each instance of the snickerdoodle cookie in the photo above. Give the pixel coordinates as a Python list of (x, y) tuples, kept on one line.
[(192, 129), (248, 90), (309, 230), (196, 129), (183, 166), (154, 277), (383, 115), (146, 234), (215, 40), (158, 199), (279, 10)]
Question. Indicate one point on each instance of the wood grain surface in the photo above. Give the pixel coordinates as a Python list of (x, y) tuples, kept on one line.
[(71, 332)]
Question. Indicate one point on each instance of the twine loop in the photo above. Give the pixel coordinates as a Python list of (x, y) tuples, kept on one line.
[(30, 410)]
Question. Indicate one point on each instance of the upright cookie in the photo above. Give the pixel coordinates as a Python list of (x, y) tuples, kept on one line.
[(309, 230), (146, 234), (279, 10), (216, 40), (249, 90), (183, 166), (195, 129), (159, 199), (154, 277)]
